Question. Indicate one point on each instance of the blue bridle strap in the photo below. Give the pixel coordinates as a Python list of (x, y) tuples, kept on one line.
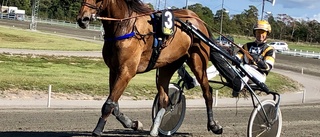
[(125, 36)]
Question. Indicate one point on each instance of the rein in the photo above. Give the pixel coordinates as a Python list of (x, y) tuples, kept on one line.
[(132, 34), (116, 19), (126, 36), (240, 48)]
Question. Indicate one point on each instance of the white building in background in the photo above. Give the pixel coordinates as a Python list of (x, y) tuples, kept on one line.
[(20, 14), (11, 12)]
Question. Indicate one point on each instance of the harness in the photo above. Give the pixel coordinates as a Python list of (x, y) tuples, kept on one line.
[(125, 36), (157, 42), (160, 35), (165, 19)]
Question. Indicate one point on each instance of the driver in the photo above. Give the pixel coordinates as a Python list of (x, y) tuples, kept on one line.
[(262, 54)]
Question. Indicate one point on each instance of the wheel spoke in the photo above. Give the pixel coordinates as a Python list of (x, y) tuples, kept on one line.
[(262, 121)]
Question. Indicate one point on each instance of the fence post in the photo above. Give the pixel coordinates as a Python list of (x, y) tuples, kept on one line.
[(49, 97), (304, 96), (216, 98)]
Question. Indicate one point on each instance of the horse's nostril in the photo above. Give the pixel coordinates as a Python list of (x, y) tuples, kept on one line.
[(85, 19)]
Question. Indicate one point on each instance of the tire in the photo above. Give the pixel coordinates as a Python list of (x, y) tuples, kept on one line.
[(175, 112), (257, 122)]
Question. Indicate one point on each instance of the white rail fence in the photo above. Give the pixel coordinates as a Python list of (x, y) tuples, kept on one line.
[(300, 53), (64, 23), (50, 21)]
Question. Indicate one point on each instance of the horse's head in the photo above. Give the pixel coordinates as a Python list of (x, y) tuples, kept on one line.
[(116, 9), (87, 12)]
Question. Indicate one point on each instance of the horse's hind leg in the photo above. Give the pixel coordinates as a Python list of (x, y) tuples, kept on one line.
[(111, 106), (198, 67)]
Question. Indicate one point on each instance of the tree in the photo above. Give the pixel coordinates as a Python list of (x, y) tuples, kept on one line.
[(313, 30), (222, 14), (249, 18), (283, 26), (203, 12), (44, 8), (274, 27), (243, 23)]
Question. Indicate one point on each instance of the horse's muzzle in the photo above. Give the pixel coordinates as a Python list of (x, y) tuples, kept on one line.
[(83, 22)]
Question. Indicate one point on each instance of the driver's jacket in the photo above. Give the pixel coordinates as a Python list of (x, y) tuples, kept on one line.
[(265, 52)]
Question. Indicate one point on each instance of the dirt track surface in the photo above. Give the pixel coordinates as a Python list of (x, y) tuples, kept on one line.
[(298, 120), (310, 66)]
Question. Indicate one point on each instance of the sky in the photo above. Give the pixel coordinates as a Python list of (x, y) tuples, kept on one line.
[(305, 9)]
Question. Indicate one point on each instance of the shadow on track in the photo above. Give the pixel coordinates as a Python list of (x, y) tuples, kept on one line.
[(114, 133)]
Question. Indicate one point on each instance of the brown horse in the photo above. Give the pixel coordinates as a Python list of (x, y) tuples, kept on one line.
[(128, 50)]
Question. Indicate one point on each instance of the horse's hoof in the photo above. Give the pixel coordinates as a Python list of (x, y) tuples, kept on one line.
[(137, 125), (96, 134), (216, 129), (99, 128)]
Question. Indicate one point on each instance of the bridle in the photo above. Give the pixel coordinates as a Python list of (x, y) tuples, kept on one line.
[(93, 6), (111, 39), (89, 5)]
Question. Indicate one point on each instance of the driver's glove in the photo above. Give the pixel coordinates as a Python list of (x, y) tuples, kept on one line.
[(260, 61)]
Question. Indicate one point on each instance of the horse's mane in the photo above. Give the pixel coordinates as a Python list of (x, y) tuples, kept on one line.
[(138, 6)]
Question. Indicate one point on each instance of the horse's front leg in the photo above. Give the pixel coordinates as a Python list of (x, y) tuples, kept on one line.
[(164, 77), (118, 83)]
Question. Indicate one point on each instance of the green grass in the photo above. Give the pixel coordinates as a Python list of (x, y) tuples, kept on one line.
[(90, 76), (66, 75), (281, 83), (304, 46), (27, 39), (85, 75)]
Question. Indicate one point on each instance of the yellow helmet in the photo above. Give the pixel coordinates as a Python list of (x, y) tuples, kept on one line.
[(262, 25)]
